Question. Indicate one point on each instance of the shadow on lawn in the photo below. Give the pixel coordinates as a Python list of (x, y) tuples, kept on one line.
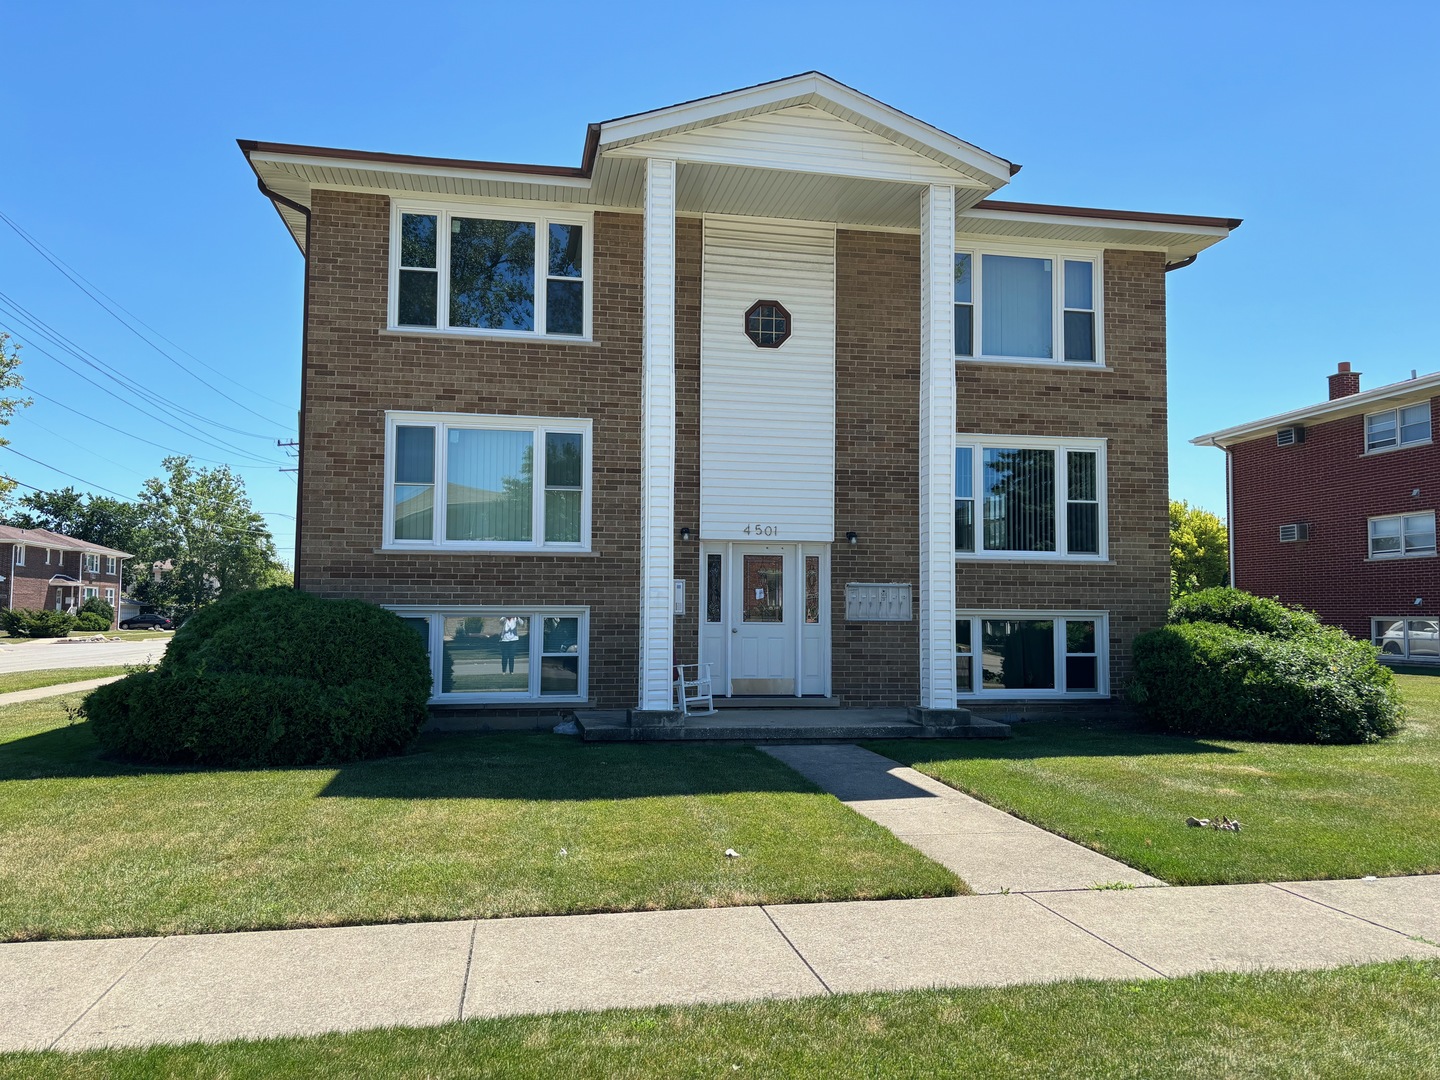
[(1055, 739), (456, 766)]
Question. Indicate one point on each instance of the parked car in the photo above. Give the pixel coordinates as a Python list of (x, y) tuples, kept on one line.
[(147, 622)]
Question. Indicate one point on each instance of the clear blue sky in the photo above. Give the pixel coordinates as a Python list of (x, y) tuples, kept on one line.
[(1317, 123)]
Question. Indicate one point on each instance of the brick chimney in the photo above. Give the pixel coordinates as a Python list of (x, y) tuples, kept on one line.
[(1344, 382)]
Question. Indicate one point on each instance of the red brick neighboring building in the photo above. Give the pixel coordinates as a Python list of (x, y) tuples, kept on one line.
[(1333, 507), (769, 382), (49, 570)]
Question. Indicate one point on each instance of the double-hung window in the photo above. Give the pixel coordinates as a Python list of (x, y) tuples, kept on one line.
[(504, 654), (19, 554), (92, 563), (486, 483), (496, 270), (1031, 654), (1030, 498), (110, 564), (1393, 428), (1030, 307), (1402, 535)]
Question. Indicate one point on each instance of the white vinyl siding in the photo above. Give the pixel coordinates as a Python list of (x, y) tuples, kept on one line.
[(767, 415), (459, 482), (503, 655)]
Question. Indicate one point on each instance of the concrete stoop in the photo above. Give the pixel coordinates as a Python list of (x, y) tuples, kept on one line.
[(826, 724)]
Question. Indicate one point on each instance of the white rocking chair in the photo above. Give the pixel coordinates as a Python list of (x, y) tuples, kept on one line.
[(692, 690)]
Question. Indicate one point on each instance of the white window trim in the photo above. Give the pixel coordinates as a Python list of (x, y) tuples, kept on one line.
[(1399, 443), (90, 592), (19, 554), (539, 426), (110, 597), (92, 563), (436, 617), (1101, 619), (110, 564), (1419, 553), (977, 445), (1404, 620), (542, 217), (1059, 254)]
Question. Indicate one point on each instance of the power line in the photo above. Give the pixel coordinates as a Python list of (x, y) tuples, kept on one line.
[(62, 472), (217, 444), (150, 397), (74, 278)]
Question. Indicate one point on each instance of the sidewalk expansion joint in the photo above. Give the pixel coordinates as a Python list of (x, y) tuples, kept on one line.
[(796, 951), (1097, 937), (469, 961), (1341, 911), (105, 993)]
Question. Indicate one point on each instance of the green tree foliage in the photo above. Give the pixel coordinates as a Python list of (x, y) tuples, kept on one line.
[(1199, 550), (10, 379), (204, 537), (99, 519)]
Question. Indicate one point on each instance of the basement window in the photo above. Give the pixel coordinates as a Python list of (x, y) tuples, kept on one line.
[(1031, 654)]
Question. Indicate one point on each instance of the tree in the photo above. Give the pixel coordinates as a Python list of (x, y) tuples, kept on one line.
[(1199, 549), (200, 528), (99, 519), (10, 379)]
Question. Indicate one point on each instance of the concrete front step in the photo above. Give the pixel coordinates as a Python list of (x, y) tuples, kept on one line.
[(783, 725)]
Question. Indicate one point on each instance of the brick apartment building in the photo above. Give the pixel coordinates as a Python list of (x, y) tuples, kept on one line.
[(769, 382), (1333, 507), (49, 570)]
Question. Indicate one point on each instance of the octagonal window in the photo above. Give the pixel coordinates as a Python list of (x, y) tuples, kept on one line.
[(767, 324)]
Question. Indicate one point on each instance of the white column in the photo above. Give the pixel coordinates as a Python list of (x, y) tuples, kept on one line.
[(657, 551), (937, 449)]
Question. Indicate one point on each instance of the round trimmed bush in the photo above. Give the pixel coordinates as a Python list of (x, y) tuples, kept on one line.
[(90, 621), (1244, 611), (272, 677), (1323, 686)]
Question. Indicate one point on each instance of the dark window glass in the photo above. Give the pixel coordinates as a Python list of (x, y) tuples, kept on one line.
[(492, 274), (564, 307), (1080, 673), (1080, 336), (560, 675), (1019, 500), (564, 459), (1018, 654), (712, 588), (767, 324), (417, 240), (964, 660), (414, 455), (565, 251), (964, 525), (417, 297), (964, 330), (812, 588), (421, 627)]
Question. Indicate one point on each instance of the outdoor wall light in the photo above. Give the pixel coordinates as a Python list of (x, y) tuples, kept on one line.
[(685, 533), (852, 538)]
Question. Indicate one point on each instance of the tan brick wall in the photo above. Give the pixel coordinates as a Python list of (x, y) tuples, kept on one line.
[(1125, 405), (357, 371)]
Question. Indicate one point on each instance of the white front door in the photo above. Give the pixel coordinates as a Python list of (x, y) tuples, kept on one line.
[(765, 618)]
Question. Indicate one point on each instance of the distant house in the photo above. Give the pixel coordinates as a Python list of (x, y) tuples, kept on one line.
[(44, 569), (769, 383), (1333, 507)]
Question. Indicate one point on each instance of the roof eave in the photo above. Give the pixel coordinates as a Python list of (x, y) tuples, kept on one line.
[(1330, 410)]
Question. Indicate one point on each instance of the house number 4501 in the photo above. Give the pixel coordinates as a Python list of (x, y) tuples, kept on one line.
[(762, 530)]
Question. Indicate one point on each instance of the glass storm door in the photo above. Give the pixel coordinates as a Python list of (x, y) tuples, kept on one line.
[(765, 615)]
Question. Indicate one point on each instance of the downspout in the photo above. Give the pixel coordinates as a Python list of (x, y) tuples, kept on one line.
[(303, 211), (1230, 515)]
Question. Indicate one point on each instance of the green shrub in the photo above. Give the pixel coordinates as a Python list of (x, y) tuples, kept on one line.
[(96, 606), (272, 677), (1323, 686), (91, 621), (20, 622), (1241, 610)]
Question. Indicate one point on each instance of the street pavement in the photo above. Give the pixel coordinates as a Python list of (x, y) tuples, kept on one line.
[(48, 653)]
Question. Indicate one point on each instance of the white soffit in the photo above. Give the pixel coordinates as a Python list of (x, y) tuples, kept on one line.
[(1176, 240), (1382, 397)]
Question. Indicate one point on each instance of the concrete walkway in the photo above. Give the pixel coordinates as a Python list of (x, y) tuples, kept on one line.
[(38, 692), (71, 995), (990, 850)]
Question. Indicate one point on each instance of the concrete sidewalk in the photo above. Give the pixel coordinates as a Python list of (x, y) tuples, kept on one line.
[(15, 697), (77, 994), (990, 850)]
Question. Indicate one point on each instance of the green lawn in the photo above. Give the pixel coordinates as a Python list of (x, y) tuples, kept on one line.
[(1373, 1021), (29, 680), (1307, 811), (464, 826)]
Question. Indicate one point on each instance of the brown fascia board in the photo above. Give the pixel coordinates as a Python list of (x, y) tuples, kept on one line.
[(1110, 215)]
